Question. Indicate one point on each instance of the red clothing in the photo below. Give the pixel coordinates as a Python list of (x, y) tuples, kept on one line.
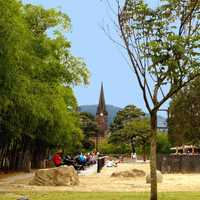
[(57, 160)]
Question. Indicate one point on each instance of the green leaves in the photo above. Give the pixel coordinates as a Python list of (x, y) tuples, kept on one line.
[(37, 72), (128, 115), (137, 131), (162, 42), (130, 128), (89, 127), (185, 116), (163, 144), (41, 20)]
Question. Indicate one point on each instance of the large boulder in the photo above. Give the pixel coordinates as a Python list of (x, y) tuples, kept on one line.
[(59, 176), (159, 177), (129, 174)]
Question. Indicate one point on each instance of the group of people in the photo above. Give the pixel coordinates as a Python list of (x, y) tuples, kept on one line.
[(79, 161), (86, 159)]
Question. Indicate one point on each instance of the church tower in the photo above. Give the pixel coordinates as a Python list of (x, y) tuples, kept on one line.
[(102, 115)]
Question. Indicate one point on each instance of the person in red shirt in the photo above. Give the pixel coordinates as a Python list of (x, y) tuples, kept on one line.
[(57, 158)]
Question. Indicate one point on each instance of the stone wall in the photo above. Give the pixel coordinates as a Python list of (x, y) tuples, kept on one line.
[(178, 163)]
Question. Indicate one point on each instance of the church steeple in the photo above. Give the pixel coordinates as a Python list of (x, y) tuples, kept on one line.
[(101, 109), (102, 114)]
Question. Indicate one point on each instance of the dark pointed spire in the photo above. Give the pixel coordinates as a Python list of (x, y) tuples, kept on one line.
[(102, 105)]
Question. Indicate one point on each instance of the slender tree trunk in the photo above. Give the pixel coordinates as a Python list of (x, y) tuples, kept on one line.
[(27, 161), (2, 156), (97, 143), (144, 152), (133, 146), (16, 155), (153, 156)]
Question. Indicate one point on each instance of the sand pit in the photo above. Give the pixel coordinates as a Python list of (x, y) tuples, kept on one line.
[(104, 181)]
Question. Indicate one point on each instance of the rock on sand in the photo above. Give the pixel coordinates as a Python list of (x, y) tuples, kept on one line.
[(59, 176)]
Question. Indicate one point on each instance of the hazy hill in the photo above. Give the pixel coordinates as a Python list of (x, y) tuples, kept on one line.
[(112, 111)]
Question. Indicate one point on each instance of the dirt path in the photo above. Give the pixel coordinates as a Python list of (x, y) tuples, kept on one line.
[(103, 181), (15, 178)]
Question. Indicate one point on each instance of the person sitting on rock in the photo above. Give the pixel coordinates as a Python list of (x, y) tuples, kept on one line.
[(57, 158), (82, 159)]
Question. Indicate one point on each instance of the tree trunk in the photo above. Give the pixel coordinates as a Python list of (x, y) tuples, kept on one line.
[(153, 156), (97, 143), (27, 161), (144, 152), (133, 146)]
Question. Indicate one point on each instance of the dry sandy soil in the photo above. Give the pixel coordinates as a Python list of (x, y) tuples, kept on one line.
[(103, 181)]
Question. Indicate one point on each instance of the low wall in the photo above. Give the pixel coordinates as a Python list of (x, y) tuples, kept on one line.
[(178, 163)]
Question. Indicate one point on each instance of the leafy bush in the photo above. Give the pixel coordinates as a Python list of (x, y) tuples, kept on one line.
[(108, 148), (163, 144)]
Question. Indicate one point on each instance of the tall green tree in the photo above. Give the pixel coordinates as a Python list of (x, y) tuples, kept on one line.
[(89, 127), (163, 143), (123, 117), (38, 109), (137, 133), (162, 44), (185, 115)]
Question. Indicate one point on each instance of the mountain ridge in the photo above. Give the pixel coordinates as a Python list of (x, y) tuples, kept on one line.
[(112, 111)]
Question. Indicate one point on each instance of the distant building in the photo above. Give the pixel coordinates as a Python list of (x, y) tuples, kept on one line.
[(101, 119), (102, 115)]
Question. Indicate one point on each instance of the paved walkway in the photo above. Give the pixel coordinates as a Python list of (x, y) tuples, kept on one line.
[(89, 170)]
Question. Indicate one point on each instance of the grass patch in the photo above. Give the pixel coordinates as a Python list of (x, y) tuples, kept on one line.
[(98, 195)]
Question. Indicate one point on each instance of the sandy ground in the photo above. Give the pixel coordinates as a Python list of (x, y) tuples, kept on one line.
[(103, 181)]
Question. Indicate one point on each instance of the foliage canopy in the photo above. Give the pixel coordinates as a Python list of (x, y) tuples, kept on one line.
[(38, 109), (185, 116), (162, 44)]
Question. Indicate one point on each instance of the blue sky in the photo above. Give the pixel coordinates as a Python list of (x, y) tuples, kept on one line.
[(103, 58)]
